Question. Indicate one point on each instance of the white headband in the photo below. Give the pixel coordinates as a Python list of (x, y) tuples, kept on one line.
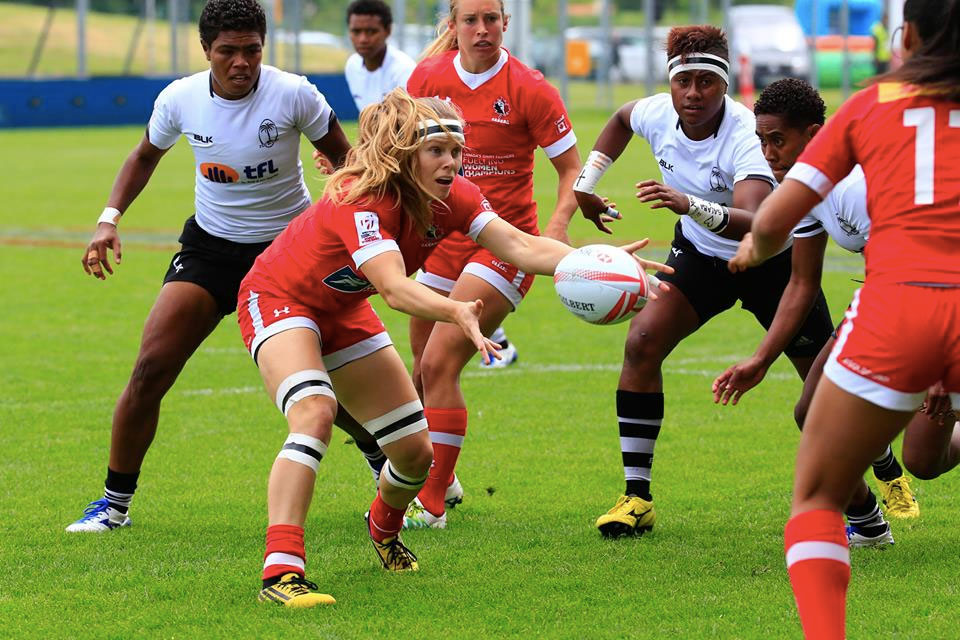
[(430, 129), (699, 62)]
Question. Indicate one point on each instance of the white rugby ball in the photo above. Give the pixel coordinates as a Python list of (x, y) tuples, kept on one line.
[(601, 284)]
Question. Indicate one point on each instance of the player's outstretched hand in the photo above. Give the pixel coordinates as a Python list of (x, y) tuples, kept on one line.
[(662, 196), (322, 163), (95, 260), (937, 405), (730, 385), (632, 248), (597, 210), (746, 256), (467, 318)]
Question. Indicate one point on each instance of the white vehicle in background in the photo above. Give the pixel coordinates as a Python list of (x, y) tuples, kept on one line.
[(771, 37)]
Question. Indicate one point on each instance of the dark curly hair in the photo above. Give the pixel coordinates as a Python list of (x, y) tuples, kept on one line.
[(231, 15), (697, 38), (371, 8), (794, 100)]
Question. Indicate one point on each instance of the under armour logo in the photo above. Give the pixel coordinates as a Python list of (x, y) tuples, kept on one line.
[(277, 312), (177, 265), (676, 252)]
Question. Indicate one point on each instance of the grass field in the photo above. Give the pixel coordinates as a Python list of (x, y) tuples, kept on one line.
[(520, 558)]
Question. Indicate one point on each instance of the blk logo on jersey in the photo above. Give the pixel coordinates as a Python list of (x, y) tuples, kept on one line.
[(717, 183), (268, 133), (666, 165), (347, 280), (202, 139), (562, 124)]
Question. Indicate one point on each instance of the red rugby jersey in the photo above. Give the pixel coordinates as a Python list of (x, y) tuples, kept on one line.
[(510, 110), (908, 142), (318, 259)]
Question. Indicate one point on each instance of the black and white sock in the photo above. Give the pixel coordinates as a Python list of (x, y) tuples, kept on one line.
[(375, 457), (119, 488), (886, 467), (639, 416), (867, 516)]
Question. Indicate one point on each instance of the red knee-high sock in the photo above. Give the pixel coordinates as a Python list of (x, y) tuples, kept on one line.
[(285, 553), (447, 430), (818, 561), (385, 521)]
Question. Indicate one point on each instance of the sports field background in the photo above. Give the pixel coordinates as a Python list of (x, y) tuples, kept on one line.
[(541, 461)]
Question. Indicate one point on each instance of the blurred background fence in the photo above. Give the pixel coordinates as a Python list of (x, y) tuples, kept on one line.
[(606, 43)]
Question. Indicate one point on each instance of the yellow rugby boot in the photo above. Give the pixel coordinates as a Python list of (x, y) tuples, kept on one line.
[(294, 591), (898, 498), (630, 516), (394, 555)]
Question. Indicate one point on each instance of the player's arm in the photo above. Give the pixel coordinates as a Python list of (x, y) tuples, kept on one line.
[(333, 147), (795, 304), (538, 254), (778, 214), (728, 222), (386, 272), (567, 165), (133, 176), (610, 144)]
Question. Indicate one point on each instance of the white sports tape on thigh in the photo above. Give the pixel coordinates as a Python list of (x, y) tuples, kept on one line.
[(297, 386), (399, 423), (401, 481), (304, 449)]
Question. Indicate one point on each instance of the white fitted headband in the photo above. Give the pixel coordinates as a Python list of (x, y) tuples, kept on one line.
[(430, 129), (699, 62)]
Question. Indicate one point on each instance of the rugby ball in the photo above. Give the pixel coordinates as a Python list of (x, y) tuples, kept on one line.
[(601, 284)]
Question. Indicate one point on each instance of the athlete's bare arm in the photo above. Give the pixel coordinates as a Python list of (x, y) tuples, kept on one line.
[(795, 303), (133, 176), (334, 146), (568, 168), (612, 141)]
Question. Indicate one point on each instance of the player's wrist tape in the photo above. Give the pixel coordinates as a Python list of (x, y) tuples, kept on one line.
[(110, 215), (593, 169), (714, 217)]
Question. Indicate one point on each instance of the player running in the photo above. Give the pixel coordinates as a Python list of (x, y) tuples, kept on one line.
[(900, 335), (714, 177), (510, 110), (789, 113), (305, 318), (243, 121)]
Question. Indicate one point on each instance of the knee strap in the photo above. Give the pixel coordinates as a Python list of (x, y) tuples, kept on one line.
[(307, 450), (400, 480), (399, 423), (297, 386)]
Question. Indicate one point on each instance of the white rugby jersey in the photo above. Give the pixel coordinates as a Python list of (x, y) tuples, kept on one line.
[(369, 87), (249, 180), (842, 214), (707, 168)]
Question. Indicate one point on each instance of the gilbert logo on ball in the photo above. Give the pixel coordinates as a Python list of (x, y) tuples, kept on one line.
[(601, 284)]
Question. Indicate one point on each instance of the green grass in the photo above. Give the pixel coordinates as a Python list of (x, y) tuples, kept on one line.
[(521, 557)]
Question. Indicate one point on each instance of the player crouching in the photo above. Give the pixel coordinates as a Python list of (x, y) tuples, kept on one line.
[(305, 318)]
